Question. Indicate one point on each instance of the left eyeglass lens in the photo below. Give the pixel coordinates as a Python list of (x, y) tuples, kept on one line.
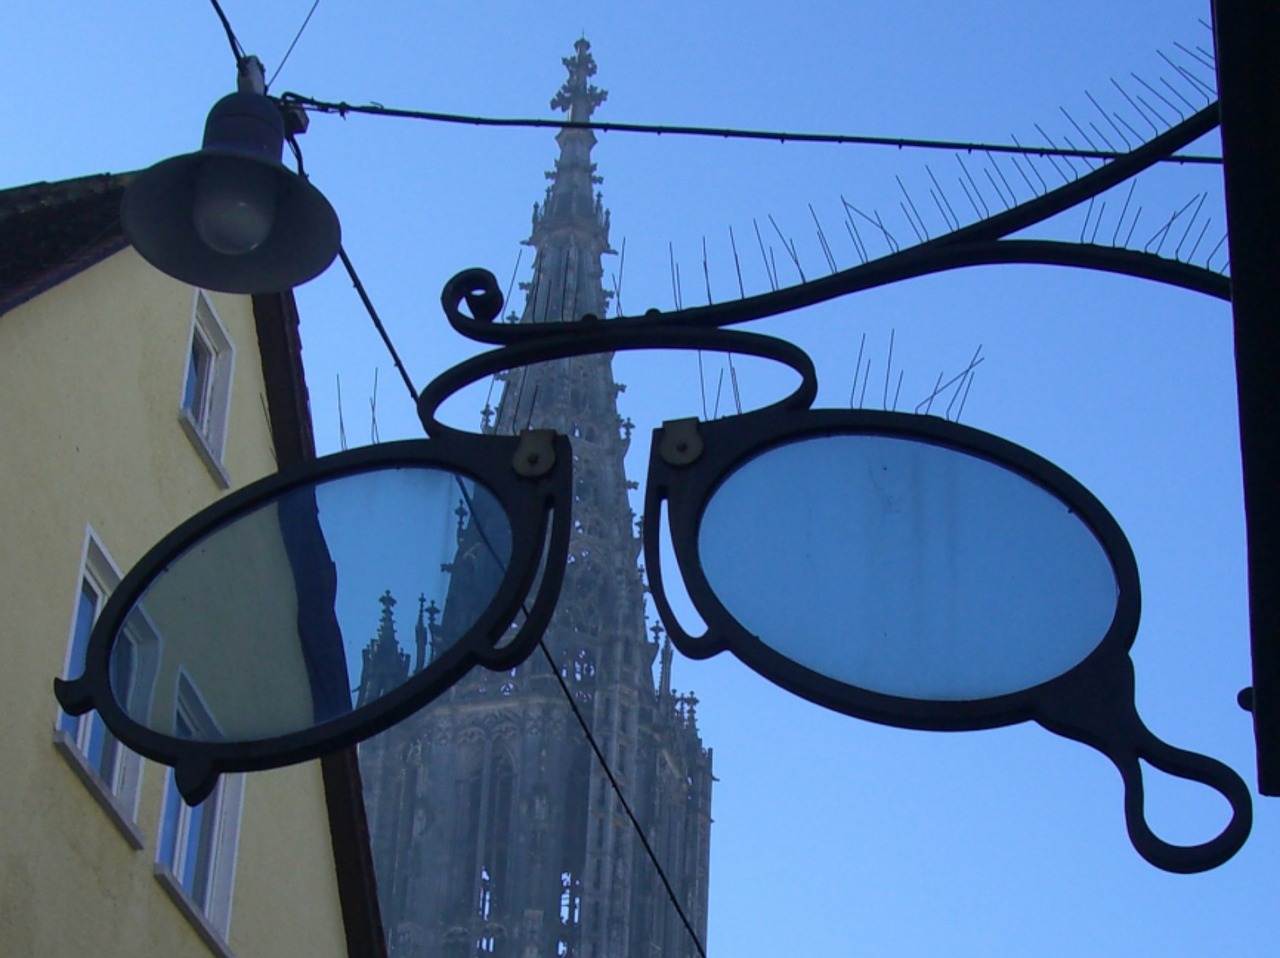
[(318, 602)]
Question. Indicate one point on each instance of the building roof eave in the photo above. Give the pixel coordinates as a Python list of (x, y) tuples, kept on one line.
[(49, 232)]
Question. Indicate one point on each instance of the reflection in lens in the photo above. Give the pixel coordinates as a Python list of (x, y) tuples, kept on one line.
[(906, 568), (287, 616)]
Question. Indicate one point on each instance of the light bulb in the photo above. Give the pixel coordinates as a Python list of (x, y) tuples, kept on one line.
[(235, 204)]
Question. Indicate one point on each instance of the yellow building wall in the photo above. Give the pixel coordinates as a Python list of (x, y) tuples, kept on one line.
[(91, 378)]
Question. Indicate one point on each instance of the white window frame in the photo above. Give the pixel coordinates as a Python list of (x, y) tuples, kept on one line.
[(204, 898), (204, 407), (111, 771)]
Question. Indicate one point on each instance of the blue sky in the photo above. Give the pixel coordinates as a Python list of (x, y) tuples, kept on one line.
[(832, 836)]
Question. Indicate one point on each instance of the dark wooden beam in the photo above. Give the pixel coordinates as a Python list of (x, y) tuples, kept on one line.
[(289, 411)]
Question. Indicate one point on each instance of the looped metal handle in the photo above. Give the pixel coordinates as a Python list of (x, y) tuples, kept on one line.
[(1178, 762), (1094, 704)]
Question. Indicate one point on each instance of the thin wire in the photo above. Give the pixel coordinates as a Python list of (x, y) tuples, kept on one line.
[(359, 287), (342, 426), (297, 154), (296, 38), (373, 314), (236, 50), (343, 108), (617, 790), (591, 740)]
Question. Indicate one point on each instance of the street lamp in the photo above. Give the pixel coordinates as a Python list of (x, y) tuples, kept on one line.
[(231, 217)]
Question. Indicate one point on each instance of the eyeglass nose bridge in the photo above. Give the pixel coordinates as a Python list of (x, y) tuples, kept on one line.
[(528, 344)]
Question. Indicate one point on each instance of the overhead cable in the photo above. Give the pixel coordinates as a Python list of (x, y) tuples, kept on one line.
[(727, 133)]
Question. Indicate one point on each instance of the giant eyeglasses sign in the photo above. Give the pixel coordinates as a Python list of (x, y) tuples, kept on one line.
[(898, 568)]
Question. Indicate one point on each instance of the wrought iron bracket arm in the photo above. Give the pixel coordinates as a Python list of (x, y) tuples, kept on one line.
[(1110, 174), (967, 246), (1110, 259)]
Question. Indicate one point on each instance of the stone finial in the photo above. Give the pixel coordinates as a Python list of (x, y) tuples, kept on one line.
[(664, 680), (461, 513), (578, 97), (386, 623), (421, 634), (384, 665)]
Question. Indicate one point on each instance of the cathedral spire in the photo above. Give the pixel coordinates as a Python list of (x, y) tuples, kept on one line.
[(572, 212), (385, 665), (495, 830)]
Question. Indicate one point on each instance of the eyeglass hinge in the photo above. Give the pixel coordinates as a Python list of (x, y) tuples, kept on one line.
[(681, 444), (535, 455)]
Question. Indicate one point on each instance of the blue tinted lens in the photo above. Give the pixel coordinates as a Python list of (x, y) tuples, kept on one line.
[(906, 568)]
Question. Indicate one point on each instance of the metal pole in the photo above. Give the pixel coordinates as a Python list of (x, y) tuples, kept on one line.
[(1248, 36)]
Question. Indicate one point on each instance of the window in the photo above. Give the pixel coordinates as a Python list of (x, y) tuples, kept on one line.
[(196, 850), (206, 387), (112, 772), (196, 394)]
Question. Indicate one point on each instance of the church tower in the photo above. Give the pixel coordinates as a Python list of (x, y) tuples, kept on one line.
[(495, 830)]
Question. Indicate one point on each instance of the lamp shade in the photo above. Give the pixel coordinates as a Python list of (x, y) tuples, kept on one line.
[(231, 217)]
